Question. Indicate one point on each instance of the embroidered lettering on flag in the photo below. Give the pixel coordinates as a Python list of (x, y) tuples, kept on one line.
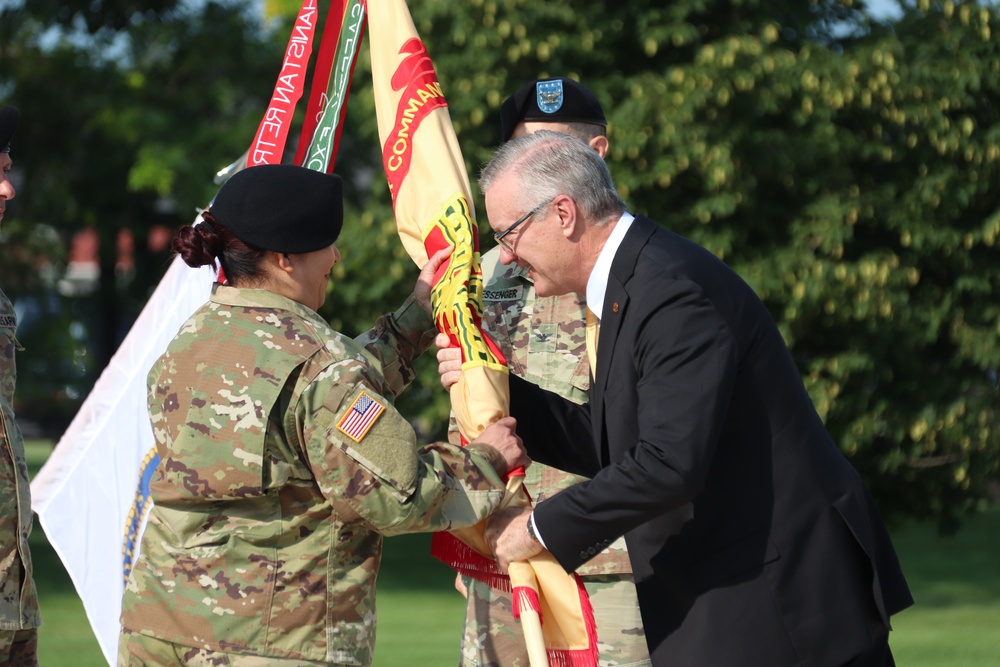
[(360, 417)]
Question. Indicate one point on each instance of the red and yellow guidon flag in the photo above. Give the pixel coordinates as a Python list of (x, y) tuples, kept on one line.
[(432, 201), (433, 204)]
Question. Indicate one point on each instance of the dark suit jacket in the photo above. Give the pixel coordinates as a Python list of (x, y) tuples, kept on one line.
[(752, 538)]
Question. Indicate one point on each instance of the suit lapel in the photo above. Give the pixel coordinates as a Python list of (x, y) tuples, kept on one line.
[(616, 300)]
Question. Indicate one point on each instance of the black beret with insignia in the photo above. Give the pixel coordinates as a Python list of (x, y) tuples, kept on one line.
[(8, 123), (556, 100), (282, 207)]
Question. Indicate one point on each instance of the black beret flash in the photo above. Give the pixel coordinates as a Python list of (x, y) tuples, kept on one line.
[(555, 100)]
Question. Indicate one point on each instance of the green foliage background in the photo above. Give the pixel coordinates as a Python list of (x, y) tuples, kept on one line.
[(845, 167)]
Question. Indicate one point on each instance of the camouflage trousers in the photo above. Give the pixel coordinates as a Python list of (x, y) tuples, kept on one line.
[(493, 636), (135, 650), (19, 648)]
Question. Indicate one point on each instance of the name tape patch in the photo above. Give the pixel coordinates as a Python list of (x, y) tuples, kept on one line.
[(503, 293)]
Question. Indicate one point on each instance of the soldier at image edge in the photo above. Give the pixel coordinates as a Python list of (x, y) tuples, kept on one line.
[(19, 616)]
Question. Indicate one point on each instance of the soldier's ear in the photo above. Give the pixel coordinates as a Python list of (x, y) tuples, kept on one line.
[(284, 262), (600, 145)]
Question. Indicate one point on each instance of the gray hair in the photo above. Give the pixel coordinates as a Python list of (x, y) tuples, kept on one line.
[(548, 164)]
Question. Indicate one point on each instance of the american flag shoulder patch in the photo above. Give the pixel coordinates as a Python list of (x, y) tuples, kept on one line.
[(360, 417)]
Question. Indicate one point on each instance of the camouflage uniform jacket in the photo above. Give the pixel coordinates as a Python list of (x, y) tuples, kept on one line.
[(544, 339), (283, 464), (18, 599)]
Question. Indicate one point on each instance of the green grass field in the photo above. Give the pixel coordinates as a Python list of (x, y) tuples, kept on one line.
[(955, 623), (956, 585)]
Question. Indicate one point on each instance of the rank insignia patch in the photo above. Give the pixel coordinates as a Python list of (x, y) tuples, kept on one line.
[(362, 415), (549, 95)]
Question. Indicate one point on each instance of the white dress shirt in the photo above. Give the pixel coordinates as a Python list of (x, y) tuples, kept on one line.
[(597, 285)]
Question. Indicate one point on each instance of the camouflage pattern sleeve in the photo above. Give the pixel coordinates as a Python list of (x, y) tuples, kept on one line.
[(283, 463), (396, 340), (364, 456)]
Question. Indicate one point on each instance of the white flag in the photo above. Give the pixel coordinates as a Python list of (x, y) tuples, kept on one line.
[(92, 494)]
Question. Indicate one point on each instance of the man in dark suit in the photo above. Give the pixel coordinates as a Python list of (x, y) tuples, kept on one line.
[(753, 541)]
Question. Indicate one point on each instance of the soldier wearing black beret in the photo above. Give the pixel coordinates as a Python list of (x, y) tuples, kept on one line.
[(283, 460), (556, 104), (559, 363), (19, 617)]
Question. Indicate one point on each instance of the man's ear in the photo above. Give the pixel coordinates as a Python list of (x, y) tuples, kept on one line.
[(600, 145), (568, 216)]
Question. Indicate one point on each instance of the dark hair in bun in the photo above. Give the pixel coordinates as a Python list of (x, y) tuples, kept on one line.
[(208, 241)]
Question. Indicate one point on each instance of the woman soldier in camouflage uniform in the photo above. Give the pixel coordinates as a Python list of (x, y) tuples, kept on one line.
[(283, 461)]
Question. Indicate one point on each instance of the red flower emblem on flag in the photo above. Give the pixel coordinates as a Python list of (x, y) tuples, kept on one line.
[(416, 77)]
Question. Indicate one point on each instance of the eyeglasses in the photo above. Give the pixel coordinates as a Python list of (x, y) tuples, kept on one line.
[(498, 236)]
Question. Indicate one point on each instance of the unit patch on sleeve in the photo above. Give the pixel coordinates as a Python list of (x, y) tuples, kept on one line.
[(361, 416)]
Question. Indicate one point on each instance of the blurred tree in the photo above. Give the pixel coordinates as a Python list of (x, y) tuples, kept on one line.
[(127, 111)]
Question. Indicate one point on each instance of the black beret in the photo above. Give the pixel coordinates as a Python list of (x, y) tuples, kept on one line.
[(8, 123), (556, 100), (282, 207)]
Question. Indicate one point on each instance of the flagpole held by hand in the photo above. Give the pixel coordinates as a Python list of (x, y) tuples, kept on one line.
[(524, 583)]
